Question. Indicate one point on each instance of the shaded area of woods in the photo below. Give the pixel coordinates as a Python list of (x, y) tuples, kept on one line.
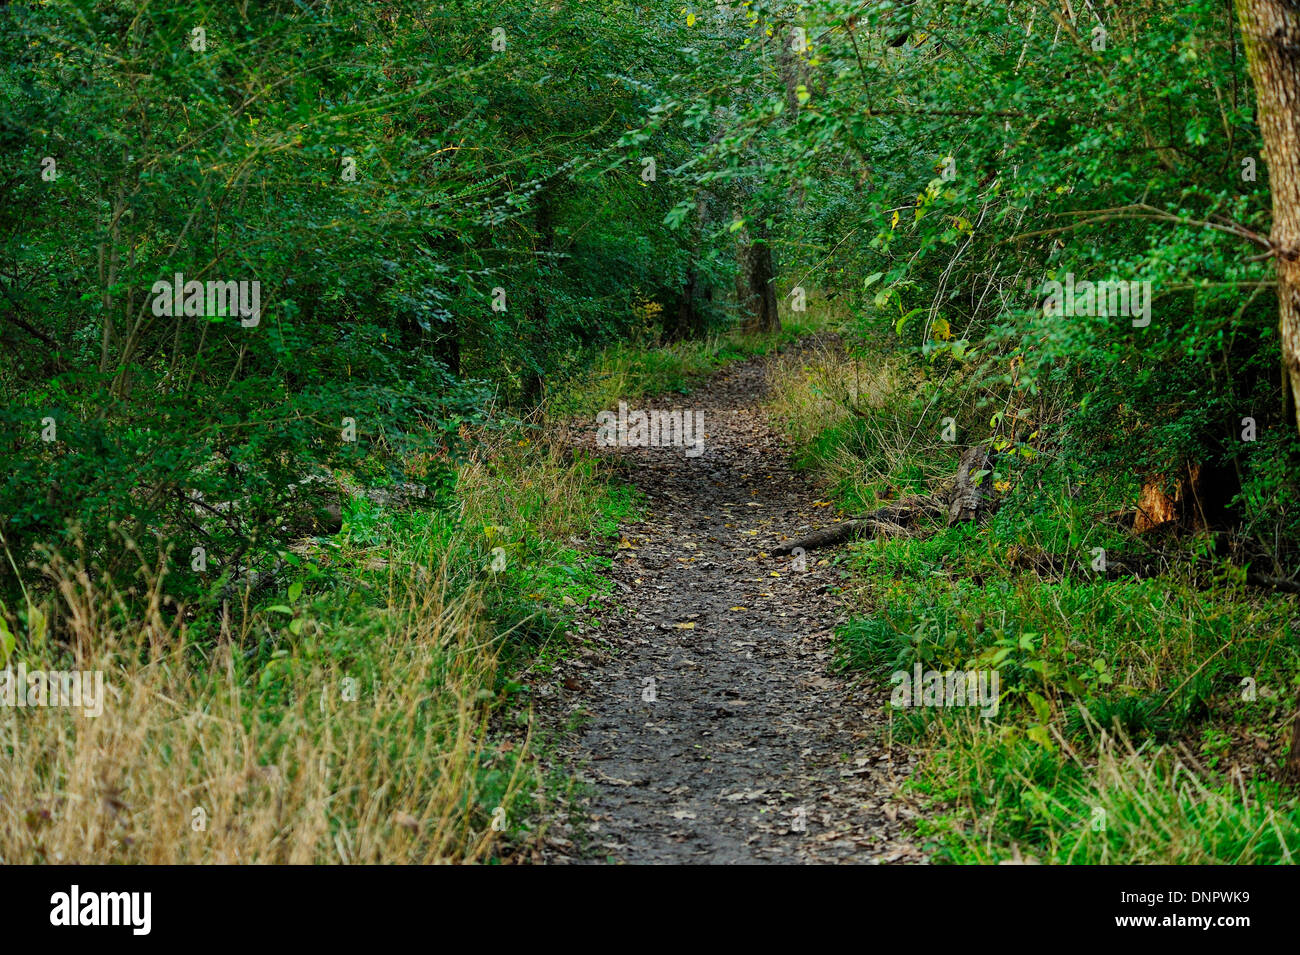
[(260, 262), (447, 208)]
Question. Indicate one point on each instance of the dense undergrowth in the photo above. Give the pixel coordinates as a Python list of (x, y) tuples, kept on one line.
[(341, 715), (1139, 720), (298, 299)]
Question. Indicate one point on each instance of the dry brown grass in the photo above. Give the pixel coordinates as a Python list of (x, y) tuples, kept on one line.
[(195, 759)]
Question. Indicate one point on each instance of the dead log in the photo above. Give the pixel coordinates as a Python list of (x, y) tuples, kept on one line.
[(1135, 567), (1270, 582), (974, 477), (835, 534), (893, 518), (967, 501)]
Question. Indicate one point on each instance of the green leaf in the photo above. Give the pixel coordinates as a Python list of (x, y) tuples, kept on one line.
[(1042, 736), (7, 642), (1042, 709)]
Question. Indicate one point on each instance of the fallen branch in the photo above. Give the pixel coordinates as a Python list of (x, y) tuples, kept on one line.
[(891, 519), (965, 501), (1137, 567), (1273, 583)]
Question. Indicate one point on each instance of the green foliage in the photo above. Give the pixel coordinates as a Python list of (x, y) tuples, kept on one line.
[(941, 162), (381, 170)]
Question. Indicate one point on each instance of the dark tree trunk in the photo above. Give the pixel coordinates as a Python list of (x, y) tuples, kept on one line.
[(449, 352), (682, 318), (756, 283)]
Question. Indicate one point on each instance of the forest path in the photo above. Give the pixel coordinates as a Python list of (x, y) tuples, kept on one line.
[(749, 749)]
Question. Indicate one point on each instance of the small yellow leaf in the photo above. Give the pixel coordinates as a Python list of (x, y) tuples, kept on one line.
[(690, 625)]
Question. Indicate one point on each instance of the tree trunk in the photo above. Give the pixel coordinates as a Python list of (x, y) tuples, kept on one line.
[(756, 283), (1271, 31), (449, 349), (682, 319), (968, 492)]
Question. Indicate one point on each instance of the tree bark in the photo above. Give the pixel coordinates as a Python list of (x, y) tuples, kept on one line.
[(887, 520), (967, 502), (756, 283), (1271, 31), (682, 319)]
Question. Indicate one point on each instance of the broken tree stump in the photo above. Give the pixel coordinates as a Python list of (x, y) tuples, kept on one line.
[(974, 477)]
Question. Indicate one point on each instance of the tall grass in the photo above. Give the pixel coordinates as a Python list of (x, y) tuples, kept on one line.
[(356, 714), (1113, 802), (842, 413), (627, 372), (366, 755)]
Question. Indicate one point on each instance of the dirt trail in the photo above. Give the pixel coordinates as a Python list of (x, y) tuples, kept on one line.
[(749, 749)]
